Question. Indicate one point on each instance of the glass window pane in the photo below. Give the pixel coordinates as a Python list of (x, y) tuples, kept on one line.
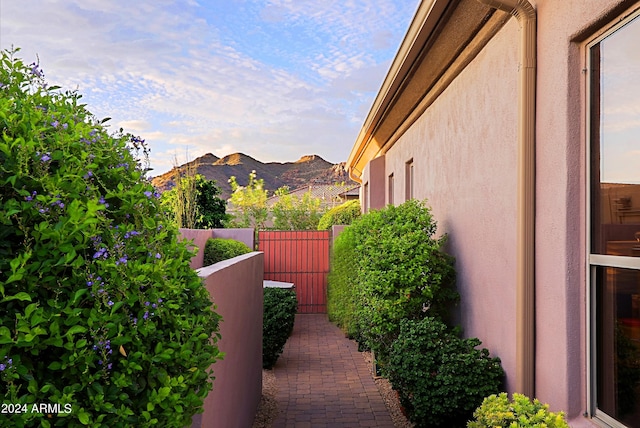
[(618, 344), (615, 136)]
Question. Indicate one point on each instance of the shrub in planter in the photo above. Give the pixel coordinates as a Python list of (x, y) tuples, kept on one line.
[(402, 272), (342, 214), (440, 378), (280, 306), (218, 249), (100, 312), (498, 411)]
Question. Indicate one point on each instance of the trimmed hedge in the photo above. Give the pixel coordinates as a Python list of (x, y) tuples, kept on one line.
[(219, 249), (343, 214), (280, 306), (441, 378)]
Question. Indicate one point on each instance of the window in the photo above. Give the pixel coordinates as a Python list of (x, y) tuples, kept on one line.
[(390, 189), (614, 219), (365, 198), (409, 180)]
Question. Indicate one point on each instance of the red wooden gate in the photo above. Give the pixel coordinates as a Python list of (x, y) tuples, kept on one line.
[(300, 257)]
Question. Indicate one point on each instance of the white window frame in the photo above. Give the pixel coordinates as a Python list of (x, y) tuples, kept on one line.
[(594, 261)]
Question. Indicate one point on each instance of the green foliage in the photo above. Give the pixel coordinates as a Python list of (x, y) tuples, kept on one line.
[(293, 213), (498, 411), (342, 280), (218, 249), (99, 308), (195, 204), (280, 306), (249, 203), (402, 272), (211, 212), (342, 214), (440, 377)]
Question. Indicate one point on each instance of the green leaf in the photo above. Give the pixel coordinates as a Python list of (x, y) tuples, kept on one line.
[(20, 296), (83, 417), (76, 329)]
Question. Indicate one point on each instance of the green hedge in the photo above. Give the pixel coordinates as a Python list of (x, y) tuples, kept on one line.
[(498, 411), (389, 266), (99, 309), (219, 249), (440, 378), (280, 306), (343, 214)]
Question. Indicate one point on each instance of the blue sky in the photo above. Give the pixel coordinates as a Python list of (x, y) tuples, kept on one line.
[(274, 79)]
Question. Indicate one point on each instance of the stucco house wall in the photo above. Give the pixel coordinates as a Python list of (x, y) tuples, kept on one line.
[(464, 153), (464, 160)]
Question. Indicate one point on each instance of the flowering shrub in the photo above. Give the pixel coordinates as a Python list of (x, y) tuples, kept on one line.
[(100, 313)]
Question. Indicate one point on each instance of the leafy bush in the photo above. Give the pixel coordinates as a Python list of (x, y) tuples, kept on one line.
[(99, 309), (341, 280), (291, 212), (498, 411), (342, 214), (218, 249), (402, 272), (440, 378), (280, 306)]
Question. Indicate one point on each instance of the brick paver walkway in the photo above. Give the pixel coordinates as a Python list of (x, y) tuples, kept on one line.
[(323, 381)]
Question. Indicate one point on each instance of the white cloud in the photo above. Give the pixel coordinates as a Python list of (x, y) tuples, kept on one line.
[(275, 81)]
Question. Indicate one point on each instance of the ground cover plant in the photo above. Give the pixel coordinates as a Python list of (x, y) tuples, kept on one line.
[(499, 411), (280, 306), (100, 313), (219, 249)]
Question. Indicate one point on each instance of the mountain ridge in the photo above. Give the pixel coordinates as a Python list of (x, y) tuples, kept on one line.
[(308, 170)]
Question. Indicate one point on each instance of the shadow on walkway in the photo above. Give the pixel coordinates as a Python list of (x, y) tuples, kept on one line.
[(323, 381)]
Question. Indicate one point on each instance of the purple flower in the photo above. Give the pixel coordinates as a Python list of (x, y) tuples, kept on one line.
[(159, 300), (147, 303), (45, 157), (148, 194), (122, 260), (101, 253), (158, 256), (2, 367), (146, 315), (65, 126), (89, 283), (55, 123), (100, 362), (110, 303), (135, 321), (109, 366), (88, 174)]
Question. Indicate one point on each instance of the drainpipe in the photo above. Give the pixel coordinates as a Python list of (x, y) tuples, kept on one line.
[(524, 12)]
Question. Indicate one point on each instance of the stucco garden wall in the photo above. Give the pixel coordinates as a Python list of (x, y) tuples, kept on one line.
[(236, 289)]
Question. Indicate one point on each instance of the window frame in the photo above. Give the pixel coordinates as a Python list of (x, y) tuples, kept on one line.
[(409, 180), (594, 260)]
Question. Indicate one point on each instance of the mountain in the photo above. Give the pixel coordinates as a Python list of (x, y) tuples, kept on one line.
[(307, 170)]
